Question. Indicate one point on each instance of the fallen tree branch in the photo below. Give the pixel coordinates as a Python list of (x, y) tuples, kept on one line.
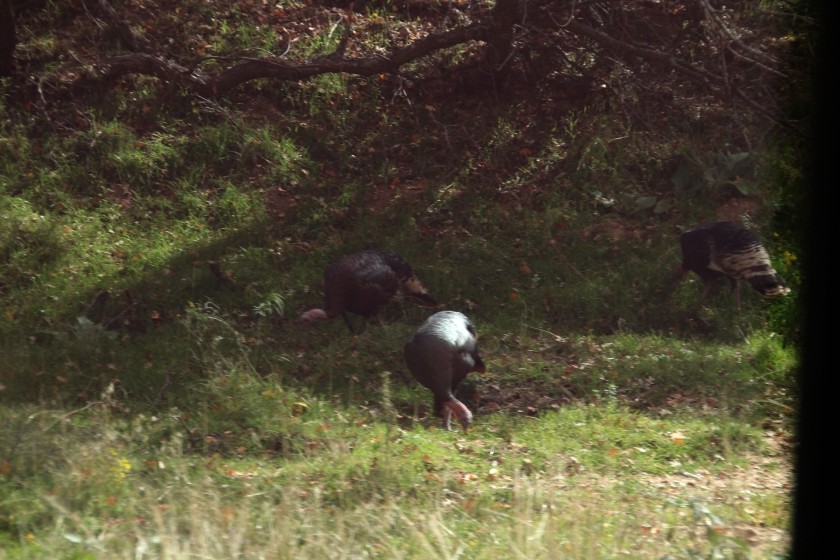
[(246, 69)]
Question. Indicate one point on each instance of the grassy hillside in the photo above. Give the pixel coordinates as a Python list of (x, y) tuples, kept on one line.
[(159, 398)]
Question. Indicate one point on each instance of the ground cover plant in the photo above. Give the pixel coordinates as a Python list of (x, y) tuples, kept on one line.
[(159, 398)]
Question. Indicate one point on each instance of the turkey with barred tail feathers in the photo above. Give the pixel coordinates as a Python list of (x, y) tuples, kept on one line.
[(727, 249), (439, 355), (363, 282)]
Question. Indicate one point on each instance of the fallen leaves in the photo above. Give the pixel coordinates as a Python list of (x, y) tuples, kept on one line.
[(239, 474)]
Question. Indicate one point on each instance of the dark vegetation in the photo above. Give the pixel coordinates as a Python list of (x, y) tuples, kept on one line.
[(175, 177)]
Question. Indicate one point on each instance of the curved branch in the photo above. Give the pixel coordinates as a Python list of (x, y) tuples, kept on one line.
[(219, 84)]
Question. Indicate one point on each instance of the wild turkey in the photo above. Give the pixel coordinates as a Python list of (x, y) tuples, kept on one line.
[(727, 249), (363, 282), (439, 355)]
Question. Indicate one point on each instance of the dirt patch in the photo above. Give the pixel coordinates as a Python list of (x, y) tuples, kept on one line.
[(736, 208), (382, 197), (613, 229), (278, 201)]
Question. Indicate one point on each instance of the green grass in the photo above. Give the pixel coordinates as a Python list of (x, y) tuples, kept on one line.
[(585, 478), (300, 458)]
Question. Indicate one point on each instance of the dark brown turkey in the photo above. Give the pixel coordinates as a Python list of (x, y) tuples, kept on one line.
[(439, 355), (363, 282), (734, 252)]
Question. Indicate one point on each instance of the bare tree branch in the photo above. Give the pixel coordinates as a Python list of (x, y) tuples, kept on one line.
[(217, 85)]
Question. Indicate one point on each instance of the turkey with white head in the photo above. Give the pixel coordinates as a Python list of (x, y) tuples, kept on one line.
[(726, 249), (363, 282), (439, 355)]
